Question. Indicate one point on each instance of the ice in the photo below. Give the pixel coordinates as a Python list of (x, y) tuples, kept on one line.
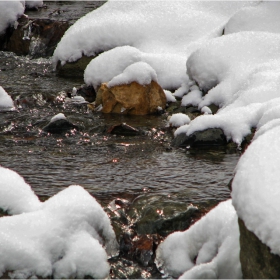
[(139, 72), (179, 119), (67, 236), (166, 32), (255, 188), (59, 116), (208, 249), (6, 102)]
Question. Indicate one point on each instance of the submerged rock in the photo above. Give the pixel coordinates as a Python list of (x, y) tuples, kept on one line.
[(257, 261), (208, 137), (124, 129), (131, 99)]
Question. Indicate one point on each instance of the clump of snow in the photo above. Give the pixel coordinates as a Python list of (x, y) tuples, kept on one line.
[(59, 116), (6, 102), (262, 17), (242, 73), (169, 96), (208, 249), (193, 98), (139, 72), (9, 13), (206, 110), (165, 31), (182, 90), (255, 188), (179, 119), (16, 196), (65, 237), (182, 129)]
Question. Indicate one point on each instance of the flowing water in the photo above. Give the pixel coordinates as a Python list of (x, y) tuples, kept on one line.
[(108, 166)]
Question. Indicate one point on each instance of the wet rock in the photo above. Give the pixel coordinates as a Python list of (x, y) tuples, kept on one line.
[(59, 126), (124, 130), (257, 261), (35, 37), (131, 99), (74, 69), (209, 137), (87, 92), (214, 108)]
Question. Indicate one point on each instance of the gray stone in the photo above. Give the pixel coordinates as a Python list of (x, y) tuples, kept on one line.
[(257, 261), (208, 137), (59, 126)]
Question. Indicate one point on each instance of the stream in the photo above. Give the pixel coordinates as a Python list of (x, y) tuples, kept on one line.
[(148, 176)]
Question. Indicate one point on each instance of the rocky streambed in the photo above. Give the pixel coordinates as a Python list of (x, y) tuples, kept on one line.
[(148, 188)]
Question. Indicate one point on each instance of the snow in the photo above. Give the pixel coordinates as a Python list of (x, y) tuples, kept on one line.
[(65, 236), (193, 98), (59, 116), (169, 96), (255, 188), (262, 17), (34, 4), (139, 72), (241, 73), (164, 32), (16, 196), (179, 119), (208, 249), (6, 102), (9, 12)]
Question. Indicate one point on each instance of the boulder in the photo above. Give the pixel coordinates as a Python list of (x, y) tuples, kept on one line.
[(131, 99), (208, 137), (34, 37), (257, 261)]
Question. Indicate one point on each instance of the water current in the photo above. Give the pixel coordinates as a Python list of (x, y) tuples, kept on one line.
[(106, 165)]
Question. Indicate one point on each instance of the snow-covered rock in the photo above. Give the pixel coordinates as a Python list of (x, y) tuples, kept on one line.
[(65, 237), (165, 32), (241, 73), (208, 249), (255, 188)]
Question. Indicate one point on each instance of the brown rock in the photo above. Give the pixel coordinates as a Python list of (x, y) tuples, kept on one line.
[(131, 99)]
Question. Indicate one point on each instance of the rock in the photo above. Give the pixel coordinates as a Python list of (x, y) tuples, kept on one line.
[(131, 99), (74, 69), (87, 92), (257, 261), (124, 130), (59, 126), (208, 137), (35, 37)]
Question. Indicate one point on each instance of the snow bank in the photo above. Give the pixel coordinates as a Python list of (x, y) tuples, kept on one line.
[(242, 73), (255, 188), (9, 12), (139, 72), (263, 17), (165, 31), (6, 102), (65, 236), (208, 249)]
